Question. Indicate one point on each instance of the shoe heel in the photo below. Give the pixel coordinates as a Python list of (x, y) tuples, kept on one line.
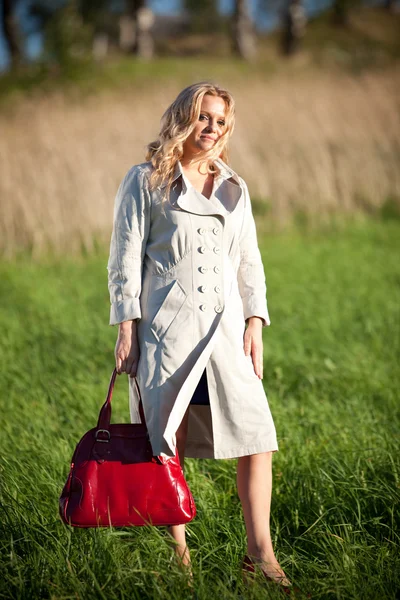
[(248, 571)]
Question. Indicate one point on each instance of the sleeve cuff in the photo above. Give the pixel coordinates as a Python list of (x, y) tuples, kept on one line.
[(254, 308), (125, 310)]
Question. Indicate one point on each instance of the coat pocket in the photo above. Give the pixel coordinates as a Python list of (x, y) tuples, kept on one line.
[(168, 311)]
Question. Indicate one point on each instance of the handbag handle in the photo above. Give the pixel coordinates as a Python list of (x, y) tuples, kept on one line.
[(105, 411)]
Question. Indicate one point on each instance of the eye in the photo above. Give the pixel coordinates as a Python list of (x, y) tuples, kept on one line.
[(221, 123), (202, 117)]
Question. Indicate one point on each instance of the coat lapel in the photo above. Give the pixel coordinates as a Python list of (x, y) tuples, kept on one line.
[(224, 199), (227, 193)]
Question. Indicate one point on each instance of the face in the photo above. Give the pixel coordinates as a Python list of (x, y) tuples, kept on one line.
[(209, 127)]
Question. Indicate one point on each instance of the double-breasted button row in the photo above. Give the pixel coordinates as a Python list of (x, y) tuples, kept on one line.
[(212, 235), (203, 250), (218, 308), (203, 269), (203, 289), (202, 231)]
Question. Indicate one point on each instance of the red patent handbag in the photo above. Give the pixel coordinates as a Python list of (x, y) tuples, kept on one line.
[(115, 480)]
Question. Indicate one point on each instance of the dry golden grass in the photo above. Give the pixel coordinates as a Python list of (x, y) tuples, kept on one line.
[(318, 143)]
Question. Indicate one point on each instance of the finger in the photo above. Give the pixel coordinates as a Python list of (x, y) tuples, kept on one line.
[(135, 364), (255, 363), (260, 367), (261, 363), (131, 367), (129, 362), (257, 360), (247, 344), (123, 366), (118, 364)]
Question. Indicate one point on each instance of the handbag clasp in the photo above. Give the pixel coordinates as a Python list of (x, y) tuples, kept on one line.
[(102, 431)]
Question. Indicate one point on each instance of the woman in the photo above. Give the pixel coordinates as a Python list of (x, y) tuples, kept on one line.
[(185, 277)]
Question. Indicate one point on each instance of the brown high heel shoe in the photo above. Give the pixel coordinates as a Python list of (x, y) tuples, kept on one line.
[(248, 568)]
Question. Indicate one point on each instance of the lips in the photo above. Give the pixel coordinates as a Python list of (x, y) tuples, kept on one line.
[(207, 137)]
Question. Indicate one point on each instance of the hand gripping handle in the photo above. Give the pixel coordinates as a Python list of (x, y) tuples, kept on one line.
[(105, 411)]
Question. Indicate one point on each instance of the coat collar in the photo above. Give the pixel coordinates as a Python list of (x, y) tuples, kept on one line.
[(226, 194), (224, 171)]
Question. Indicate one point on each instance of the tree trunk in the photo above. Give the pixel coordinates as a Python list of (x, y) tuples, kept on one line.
[(294, 23), (390, 5), (341, 13), (244, 39), (11, 35), (142, 20)]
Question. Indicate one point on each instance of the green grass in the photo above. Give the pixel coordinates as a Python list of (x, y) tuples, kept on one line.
[(332, 378)]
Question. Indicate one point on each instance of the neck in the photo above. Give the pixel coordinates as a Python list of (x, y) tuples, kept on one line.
[(195, 164)]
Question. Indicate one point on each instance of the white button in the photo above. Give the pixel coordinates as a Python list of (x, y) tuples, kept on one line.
[(215, 230), (217, 289), (218, 308), (217, 250), (201, 230), (202, 249), (203, 269), (216, 269), (203, 307), (202, 288)]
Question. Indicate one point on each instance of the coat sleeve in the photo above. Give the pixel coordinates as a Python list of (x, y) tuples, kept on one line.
[(128, 246), (251, 276)]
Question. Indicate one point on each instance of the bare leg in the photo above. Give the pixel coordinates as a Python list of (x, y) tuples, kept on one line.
[(254, 483), (178, 531)]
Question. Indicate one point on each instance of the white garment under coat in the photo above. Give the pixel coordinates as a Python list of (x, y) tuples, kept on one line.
[(189, 269)]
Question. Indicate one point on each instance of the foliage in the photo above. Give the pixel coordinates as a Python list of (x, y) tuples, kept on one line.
[(67, 37), (331, 373), (204, 16)]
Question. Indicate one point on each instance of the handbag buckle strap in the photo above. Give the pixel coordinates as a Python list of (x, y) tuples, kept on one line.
[(96, 437)]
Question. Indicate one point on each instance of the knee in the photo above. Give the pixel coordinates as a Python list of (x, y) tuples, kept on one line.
[(263, 458), (256, 462)]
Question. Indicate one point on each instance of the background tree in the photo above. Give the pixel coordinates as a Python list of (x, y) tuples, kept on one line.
[(341, 13), (11, 32), (342, 10), (244, 37), (204, 16), (67, 30), (294, 23), (390, 5), (138, 22)]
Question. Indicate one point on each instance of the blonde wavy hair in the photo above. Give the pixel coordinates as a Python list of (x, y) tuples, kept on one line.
[(177, 123)]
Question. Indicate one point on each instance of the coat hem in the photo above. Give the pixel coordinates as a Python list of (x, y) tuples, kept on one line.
[(233, 453)]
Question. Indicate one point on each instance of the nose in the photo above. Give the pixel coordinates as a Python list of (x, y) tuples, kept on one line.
[(212, 125)]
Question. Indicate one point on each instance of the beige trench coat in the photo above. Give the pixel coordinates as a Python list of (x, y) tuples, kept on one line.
[(189, 269)]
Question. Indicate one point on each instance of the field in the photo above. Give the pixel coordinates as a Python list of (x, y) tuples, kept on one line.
[(311, 143), (332, 378), (316, 137)]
